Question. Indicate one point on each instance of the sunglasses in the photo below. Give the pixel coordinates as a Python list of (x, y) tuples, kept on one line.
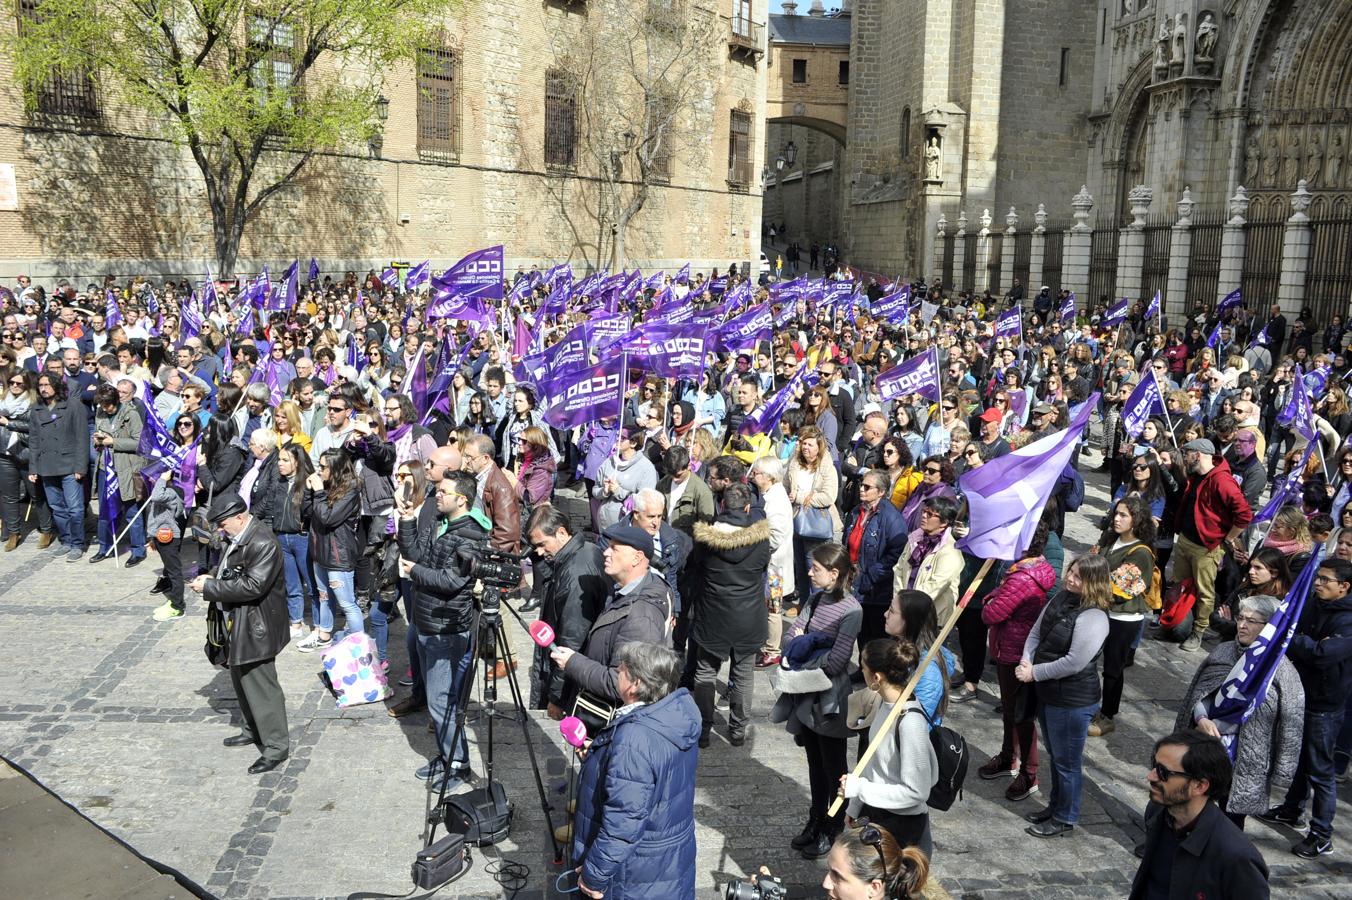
[(929, 471), (337, 409), (1164, 774), (18, 381), (1140, 468)]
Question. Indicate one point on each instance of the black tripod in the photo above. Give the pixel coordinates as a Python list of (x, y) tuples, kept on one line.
[(487, 632)]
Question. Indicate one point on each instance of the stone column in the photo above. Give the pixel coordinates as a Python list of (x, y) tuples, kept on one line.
[(1131, 244), (1076, 250), (983, 254), (1180, 251), (1007, 252), (1233, 239), (1296, 247), (939, 241), (959, 253), (1037, 251)]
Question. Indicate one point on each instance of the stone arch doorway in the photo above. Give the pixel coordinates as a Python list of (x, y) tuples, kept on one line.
[(806, 195)]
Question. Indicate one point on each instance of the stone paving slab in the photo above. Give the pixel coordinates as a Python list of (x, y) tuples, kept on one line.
[(123, 717)]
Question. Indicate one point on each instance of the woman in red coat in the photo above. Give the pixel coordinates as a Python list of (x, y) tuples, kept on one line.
[(1010, 611)]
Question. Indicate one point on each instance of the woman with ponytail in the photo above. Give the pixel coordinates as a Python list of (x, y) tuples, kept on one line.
[(866, 863)]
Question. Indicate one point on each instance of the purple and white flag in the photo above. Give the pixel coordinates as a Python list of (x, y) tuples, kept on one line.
[(918, 375), (1144, 402), (565, 355), (157, 443), (110, 495), (289, 293), (1246, 686), (747, 330), (683, 275), (894, 307), (455, 306), (605, 330), (1317, 380), (1005, 497), (478, 275), (764, 419), (416, 275), (209, 297), (112, 316), (1117, 313), (190, 321), (1297, 413), (1286, 491), (1232, 300), (1153, 307), (675, 351), (314, 270), (1215, 337), (245, 326), (584, 395), (389, 277), (1068, 309), (1261, 338), (677, 312), (1009, 323)]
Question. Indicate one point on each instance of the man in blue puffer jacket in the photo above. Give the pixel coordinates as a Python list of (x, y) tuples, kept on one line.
[(634, 830)]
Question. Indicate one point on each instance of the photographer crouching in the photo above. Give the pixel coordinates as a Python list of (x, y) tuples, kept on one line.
[(443, 609)]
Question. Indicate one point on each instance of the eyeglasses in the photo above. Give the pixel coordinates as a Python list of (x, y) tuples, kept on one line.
[(1325, 579), (1140, 467), (1251, 620), (971, 451), (402, 475), (337, 409), (949, 408), (1164, 774), (929, 471)]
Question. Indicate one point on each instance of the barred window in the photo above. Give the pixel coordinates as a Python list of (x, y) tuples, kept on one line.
[(438, 106), (739, 149), (560, 119), (272, 47), (661, 117), (67, 94)]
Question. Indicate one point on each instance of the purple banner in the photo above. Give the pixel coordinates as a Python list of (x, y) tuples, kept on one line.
[(417, 275), (764, 419), (1068, 309), (584, 395), (1117, 313), (748, 329), (894, 307), (676, 351), (918, 375), (1232, 300), (1144, 402), (478, 275), (1009, 323)]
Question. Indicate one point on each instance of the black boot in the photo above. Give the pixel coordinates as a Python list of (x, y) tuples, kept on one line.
[(808, 835), (821, 845), (161, 585)]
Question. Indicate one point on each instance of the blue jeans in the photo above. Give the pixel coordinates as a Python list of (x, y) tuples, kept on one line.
[(137, 532), (1342, 752), (1064, 731), (380, 625), (1314, 772), (65, 495), (446, 661), (299, 579), (337, 585), (411, 642)]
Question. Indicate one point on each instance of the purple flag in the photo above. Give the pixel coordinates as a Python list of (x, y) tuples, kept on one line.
[(677, 312), (245, 327), (1068, 309), (157, 443), (748, 329), (416, 275), (1232, 300), (356, 356), (1153, 308), (894, 307), (675, 351), (1006, 495), (683, 275), (209, 297), (287, 295), (1261, 338), (445, 366), (918, 375), (314, 270), (764, 419), (565, 355), (1297, 413), (273, 380), (606, 329), (454, 306), (585, 394), (1009, 323), (521, 337), (110, 495), (416, 384), (1317, 381), (190, 321), (389, 277), (1145, 401), (112, 315), (1288, 491), (1215, 337), (1117, 313), (478, 275), (1246, 686)]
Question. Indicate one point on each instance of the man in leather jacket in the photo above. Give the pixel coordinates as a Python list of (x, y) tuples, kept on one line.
[(249, 584)]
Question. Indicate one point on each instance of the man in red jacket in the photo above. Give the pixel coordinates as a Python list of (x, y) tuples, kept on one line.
[(1210, 519)]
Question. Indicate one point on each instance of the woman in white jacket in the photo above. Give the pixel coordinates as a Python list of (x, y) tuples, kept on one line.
[(767, 473), (896, 784)]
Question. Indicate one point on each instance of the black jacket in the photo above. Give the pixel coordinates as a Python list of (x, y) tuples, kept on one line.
[(263, 498), (251, 587), (443, 599), (573, 595), (58, 439), (670, 563), (1215, 861), (223, 472), (1321, 651), (336, 541), (728, 571), (640, 615)]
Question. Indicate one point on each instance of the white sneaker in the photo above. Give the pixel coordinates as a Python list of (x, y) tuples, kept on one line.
[(297, 631), (311, 643)]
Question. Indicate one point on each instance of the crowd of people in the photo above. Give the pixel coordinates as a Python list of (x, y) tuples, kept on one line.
[(822, 543)]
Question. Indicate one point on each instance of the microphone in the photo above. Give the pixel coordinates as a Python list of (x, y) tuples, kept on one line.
[(573, 731), (542, 634)]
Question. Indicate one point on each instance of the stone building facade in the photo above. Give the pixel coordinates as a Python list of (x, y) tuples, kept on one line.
[(98, 189)]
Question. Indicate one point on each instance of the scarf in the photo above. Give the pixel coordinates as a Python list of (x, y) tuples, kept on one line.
[(922, 545), (398, 434), (1287, 548)]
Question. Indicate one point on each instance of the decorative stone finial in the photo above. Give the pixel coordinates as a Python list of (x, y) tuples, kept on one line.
[(1040, 218), (962, 223), (1239, 206), (1185, 207), (1011, 221), (1140, 198), (1080, 206), (1300, 202), (943, 224), (986, 221)]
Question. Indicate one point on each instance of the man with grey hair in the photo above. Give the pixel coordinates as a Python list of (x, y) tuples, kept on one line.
[(767, 474), (634, 828), (671, 547), (256, 411)]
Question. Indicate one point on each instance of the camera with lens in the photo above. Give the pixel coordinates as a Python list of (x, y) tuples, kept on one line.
[(493, 567), (760, 887)]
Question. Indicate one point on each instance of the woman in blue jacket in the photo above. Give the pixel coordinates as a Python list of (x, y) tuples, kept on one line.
[(634, 829)]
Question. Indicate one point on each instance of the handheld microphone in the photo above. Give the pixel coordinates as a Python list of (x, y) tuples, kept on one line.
[(573, 731), (542, 634)]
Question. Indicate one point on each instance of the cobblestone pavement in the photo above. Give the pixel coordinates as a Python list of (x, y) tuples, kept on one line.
[(123, 717)]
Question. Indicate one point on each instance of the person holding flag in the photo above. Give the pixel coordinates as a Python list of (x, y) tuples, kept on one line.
[(117, 432)]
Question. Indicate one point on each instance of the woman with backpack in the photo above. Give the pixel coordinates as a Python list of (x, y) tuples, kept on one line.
[(1060, 659), (1127, 545), (895, 785), (818, 720)]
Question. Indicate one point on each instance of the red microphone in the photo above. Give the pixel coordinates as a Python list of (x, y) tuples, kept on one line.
[(542, 634), (573, 731)]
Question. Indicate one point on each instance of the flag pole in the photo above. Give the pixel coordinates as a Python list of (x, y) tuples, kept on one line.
[(885, 733), (130, 520)]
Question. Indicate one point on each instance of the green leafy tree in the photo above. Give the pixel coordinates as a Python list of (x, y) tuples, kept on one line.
[(252, 88)]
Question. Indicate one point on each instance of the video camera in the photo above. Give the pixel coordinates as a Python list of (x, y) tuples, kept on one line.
[(760, 887), (493, 567)]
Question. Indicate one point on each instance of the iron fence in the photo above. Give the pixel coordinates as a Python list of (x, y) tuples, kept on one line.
[(1051, 259), (949, 243), (1155, 266), (1204, 263), (1023, 252), (1328, 283), (968, 264), (1103, 266), (997, 244), (1262, 268)]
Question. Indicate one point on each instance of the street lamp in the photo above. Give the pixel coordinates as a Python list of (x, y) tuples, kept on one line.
[(382, 107), (791, 152), (779, 164)]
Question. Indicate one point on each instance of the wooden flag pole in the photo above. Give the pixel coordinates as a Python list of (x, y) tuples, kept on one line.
[(885, 732)]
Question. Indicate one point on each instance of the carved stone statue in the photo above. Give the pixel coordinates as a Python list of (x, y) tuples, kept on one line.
[(1207, 33), (1333, 167), (1314, 159), (933, 155), (1252, 157), (1128, 7), (1180, 54), (1293, 159), (1272, 162), (1162, 43)]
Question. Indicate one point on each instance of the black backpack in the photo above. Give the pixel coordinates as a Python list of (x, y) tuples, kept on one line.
[(950, 748)]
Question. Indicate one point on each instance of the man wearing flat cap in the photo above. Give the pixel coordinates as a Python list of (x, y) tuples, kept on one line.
[(1210, 518), (639, 608), (249, 585)]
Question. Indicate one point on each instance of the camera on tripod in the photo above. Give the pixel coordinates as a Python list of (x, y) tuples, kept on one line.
[(760, 887), (494, 568)]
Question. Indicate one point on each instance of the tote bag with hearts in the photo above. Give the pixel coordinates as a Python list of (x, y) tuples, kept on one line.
[(352, 671)]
